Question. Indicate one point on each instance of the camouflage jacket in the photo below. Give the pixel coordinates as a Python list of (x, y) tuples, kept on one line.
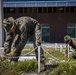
[(24, 25), (73, 43)]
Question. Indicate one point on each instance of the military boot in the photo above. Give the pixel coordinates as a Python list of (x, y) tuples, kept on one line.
[(42, 66), (12, 56)]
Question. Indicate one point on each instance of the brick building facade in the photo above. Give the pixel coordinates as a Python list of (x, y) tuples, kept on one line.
[(57, 18)]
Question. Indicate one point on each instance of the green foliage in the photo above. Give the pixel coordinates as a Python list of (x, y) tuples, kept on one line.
[(9, 72), (6, 68), (26, 66), (65, 68), (68, 67)]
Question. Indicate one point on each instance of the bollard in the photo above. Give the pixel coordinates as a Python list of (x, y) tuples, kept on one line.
[(1, 25), (61, 48), (55, 46), (68, 50), (38, 59)]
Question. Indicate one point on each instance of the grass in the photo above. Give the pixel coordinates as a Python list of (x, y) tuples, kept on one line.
[(30, 66), (6, 68)]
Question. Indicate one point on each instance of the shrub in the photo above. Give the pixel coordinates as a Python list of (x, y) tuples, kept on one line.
[(6, 68), (65, 68)]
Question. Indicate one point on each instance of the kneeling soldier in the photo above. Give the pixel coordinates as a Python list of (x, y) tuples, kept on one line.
[(72, 42)]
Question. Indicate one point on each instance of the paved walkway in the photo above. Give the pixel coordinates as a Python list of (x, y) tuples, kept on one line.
[(1, 50)]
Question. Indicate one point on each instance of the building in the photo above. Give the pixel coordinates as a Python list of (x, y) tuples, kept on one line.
[(57, 17)]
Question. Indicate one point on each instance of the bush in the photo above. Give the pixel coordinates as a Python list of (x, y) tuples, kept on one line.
[(6, 68), (55, 68), (65, 68)]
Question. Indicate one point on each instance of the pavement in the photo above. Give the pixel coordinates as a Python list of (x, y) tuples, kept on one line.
[(1, 50)]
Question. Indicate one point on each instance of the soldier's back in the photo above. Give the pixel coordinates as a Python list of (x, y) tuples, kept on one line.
[(74, 43), (26, 23)]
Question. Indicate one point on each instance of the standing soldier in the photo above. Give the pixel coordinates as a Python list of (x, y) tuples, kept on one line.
[(17, 33)]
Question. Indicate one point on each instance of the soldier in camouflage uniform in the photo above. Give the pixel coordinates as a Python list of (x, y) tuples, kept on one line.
[(72, 42), (18, 31)]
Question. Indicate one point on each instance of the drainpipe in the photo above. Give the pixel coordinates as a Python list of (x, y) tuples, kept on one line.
[(1, 24)]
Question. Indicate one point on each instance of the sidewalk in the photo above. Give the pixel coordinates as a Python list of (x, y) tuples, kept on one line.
[(1, 50)]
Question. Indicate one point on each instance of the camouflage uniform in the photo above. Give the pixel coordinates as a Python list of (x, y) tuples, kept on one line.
[(25, 28), (72, 42)]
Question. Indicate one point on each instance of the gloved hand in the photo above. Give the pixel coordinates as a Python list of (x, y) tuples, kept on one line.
[(3, 57), (12, 56)]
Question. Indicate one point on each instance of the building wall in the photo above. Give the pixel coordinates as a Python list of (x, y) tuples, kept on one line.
[(58, 22)]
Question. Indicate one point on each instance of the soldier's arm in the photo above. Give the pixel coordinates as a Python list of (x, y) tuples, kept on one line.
[(8, 42), (16, 40), (23, 39)]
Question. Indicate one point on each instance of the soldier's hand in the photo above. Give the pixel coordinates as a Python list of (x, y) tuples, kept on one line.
[(3, 57), (66, 56)]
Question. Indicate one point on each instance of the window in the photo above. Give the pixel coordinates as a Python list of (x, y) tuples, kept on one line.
[(54, 10), (30, 9), (61, 9), (12, 10), (45, 33), (49, 10), (4, 10), (67, 9), (71, 30), (25, 10), (72, 9), (44, 10), (40, 10), (75, 9), (35, 10), (8, 10), (20, 10)]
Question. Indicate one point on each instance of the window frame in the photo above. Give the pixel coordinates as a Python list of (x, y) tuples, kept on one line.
[(71, 25), (49, 31)]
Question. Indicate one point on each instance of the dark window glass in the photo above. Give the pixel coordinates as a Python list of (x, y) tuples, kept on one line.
[(25, 10), (20, 10), (61, 9), (30, 10), (45, 32), (44, 10), (67, 9), (35, 10), (72, 9), (12, 10), (54, 9), (71, 30), (49, 9), (40, 10), (8, 10), (4, 10), (75, 9)]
